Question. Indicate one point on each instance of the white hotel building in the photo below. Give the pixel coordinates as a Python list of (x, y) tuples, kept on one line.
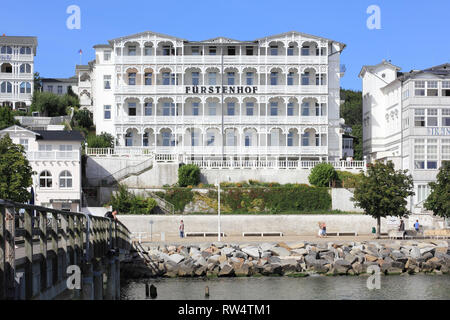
[(16, 70), (406, 119), (276, 97)]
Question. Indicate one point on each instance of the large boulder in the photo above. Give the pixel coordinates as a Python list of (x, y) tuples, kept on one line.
[(280, 251), (297, 245), (272, 269), (177, 258), (266, 246), (243, 270), (350, 258), (341, 266), (288, 266), (299, 252), (357, 268), (415, 253), (226, 270), (228, 251), (370, 257), (201, 271), (240, 254), (251, 251), (185, 270), (213, 259)]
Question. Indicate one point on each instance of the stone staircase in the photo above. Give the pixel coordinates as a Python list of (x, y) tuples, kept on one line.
[(165, 206), (126, 172)]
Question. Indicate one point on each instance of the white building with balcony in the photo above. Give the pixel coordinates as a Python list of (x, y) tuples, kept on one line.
[(406, 119), (55, 157), (273, 98), (16, 70)]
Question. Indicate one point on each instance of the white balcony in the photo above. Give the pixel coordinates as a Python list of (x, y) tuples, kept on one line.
[(217, 59), (53, 155), (16, 57), (261, 89)]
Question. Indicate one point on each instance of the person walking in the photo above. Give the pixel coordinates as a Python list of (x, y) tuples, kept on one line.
[(417, 225), (324, 230), (401, 228), (181, 229)]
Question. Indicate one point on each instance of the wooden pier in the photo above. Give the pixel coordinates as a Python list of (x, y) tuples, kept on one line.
[(47, 254)]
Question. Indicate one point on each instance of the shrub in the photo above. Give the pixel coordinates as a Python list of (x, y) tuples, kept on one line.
[(128, 203), (322, 175), (188, 175), (348, 179), (179, 197), (104, 140)]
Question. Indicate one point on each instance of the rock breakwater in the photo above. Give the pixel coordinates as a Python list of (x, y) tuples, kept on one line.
[(287, 259)]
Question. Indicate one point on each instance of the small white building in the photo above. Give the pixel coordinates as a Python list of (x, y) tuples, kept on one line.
[(59, 86), (16, 70), (406, 119), (55, 157)]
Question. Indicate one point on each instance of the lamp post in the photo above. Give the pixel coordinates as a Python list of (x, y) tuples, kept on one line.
[(218, 210)]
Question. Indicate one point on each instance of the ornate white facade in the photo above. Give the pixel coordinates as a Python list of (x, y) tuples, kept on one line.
[(406, 119), (16, 70), (274, 97)]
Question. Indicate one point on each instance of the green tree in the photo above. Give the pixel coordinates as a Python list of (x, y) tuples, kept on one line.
[(83, 118), (439, 199), (15, 171), (383, 192), (351, 112), (52, 105), (357, 143), (7, 118), (188, 175), (104, 140), (322, 175), (37, 81)]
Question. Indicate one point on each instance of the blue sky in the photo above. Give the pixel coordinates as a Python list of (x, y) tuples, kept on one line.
[(413, 33)]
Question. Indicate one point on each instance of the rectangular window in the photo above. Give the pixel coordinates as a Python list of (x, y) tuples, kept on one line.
[(195, 78), (419, 117), (290, 139), (249, 108), (432, 119), (167, 139), (230, 78), (290, 79), (230, 139), (248, 140), (132, 50), (65, 147), (231, 51), (132, 79), (106, 55), (290, 109), (446, 117), (230, 108), (166, 51), (432, 154), (195, 139), (107, 82), (273, 78), (446, 89), (148, 79), (419, 88), (132, 109), (212, 107), (168, 109), (419, 154), (212, 76), (273, 50), (290, 51), (45, 147), (148, 109), (249, 51), (195, 51), (148, 51), (305, 79), (210, 138), (274, 108), (274, 138), (305, 51), (432, 88), (166, 78), (24, 143), (107, 112), (212, 51), (60, 89), (50, 89), (445, 150), (305, 139), (305, 109), (249, 78), (195, 108)]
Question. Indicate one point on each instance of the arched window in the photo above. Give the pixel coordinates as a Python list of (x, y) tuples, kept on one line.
[(45, 179), (6, 87), (6, 50), (25, 50), (65, 179), (25, 68), (25, 87)]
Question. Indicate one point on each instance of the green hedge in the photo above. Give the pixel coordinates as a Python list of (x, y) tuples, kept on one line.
[(179, 197), (128, 203)]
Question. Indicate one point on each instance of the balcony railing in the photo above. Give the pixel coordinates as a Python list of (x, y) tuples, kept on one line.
[(16, 57), (179, 89), (217, 59), (53, 155), (144, 120)]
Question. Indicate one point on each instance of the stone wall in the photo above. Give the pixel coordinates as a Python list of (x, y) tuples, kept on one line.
[(290, 225)]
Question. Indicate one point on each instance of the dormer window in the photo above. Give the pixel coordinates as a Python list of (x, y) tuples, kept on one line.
[(212, 51), (195, 51)]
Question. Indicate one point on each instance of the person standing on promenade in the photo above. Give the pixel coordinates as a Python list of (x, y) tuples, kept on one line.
[(181, 229), (416, 225), (324, 230)]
